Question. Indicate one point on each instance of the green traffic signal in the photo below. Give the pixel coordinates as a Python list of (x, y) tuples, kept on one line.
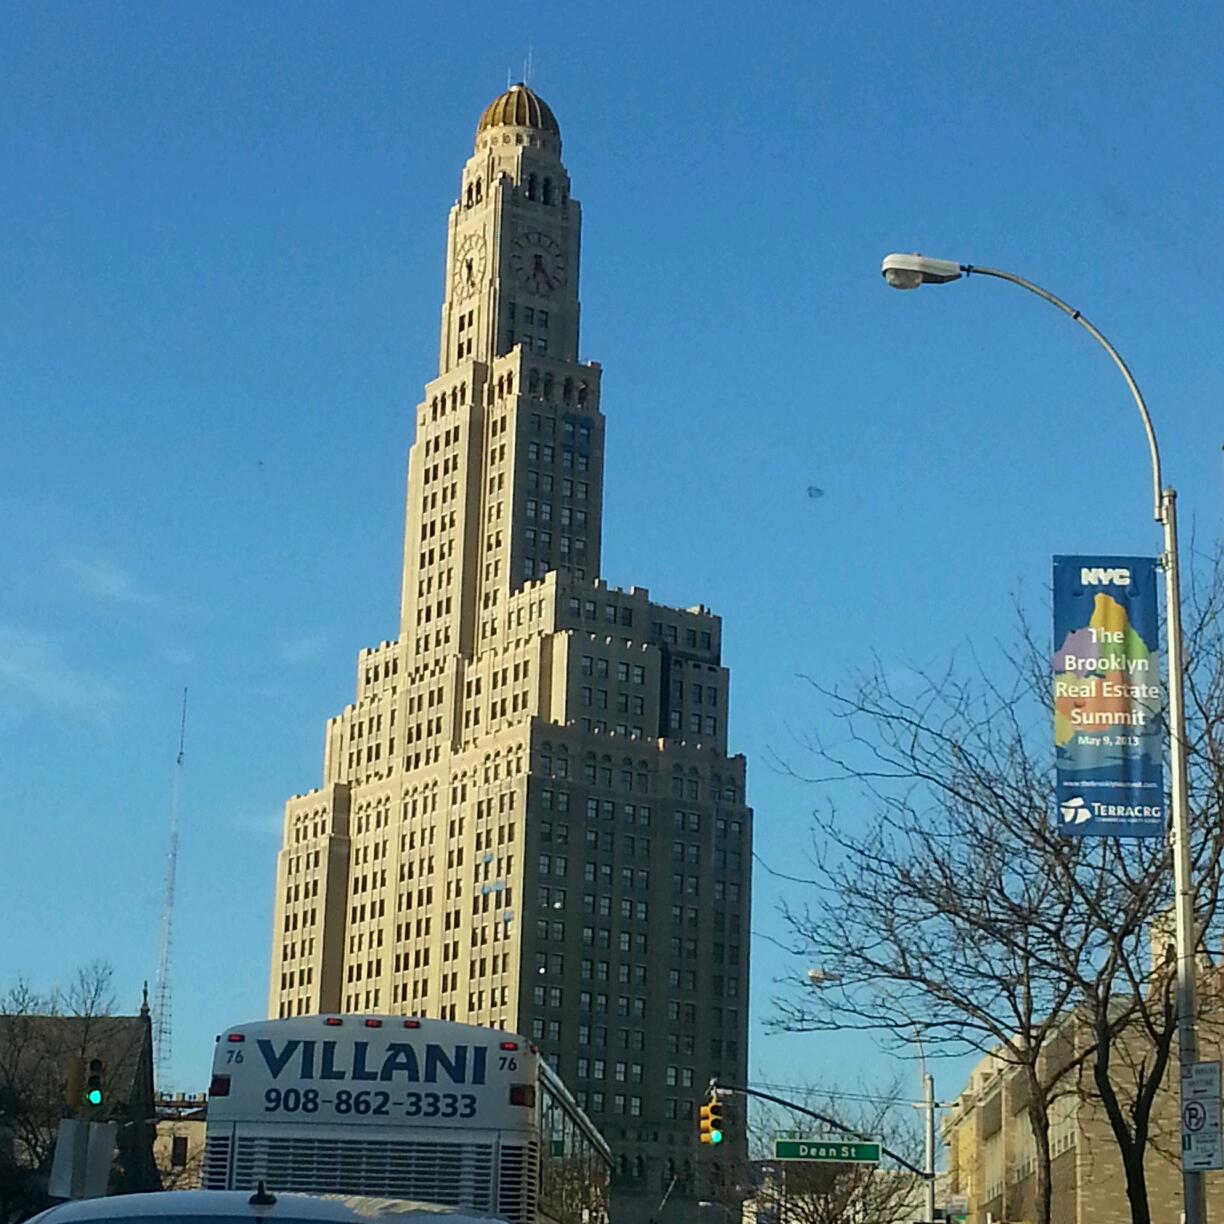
[(712, 1120), (93, 1085)]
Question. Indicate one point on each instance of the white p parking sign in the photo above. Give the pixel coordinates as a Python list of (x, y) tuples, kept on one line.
[(1202, 1140)]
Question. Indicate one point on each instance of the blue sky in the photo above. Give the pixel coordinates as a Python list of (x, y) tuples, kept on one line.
[(222, 267)]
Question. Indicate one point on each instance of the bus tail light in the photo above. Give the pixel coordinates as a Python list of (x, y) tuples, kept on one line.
[(220, 1086), (235, 1037), (508, 1045), (332, 1021), (523, 1094), (373, 1024), (412, 1024)]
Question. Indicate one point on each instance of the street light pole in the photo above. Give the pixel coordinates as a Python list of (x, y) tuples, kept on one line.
[(928, 1084), (911, 271), (928, 1107), (819, 977)]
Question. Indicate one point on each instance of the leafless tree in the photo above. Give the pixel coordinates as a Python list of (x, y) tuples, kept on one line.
[(947, 904), (788, 1192), (25, 1147), (90, 994), (40, 1036)]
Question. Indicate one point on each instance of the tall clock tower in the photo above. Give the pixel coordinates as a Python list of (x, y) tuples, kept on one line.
[(529, 818), (512, 242), (509, 326)]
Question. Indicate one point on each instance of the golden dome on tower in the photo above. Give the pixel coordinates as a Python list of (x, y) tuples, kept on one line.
[(519, 107)]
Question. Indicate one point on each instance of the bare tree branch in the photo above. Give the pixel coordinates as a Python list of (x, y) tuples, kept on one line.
[(946, 908)]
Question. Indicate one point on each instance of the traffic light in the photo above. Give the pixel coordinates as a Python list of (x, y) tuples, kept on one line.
[(712, 1120), (94, 1092)]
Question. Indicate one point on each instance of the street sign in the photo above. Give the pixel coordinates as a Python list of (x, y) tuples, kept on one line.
[(1202, 1139), (829, 1150)]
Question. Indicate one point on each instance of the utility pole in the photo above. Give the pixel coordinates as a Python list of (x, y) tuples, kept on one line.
[(818, 977)]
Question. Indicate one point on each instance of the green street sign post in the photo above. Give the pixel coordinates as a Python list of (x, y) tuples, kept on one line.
[(827, 1150)]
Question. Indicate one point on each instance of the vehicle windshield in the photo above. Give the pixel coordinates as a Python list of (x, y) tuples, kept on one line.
[(191, 1218)]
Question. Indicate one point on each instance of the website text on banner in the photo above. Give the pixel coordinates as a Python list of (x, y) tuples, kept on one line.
[(1108, 700)]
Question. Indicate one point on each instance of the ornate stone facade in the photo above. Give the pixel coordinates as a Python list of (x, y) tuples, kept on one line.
[(529, 818)]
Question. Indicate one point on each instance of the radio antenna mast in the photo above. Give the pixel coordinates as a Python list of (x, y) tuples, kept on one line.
[(162, 1003)]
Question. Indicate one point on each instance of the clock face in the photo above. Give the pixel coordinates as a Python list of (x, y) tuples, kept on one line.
[(469, 265), (538, 264)]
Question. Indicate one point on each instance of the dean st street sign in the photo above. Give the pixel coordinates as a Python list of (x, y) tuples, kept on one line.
[(826, 1150)]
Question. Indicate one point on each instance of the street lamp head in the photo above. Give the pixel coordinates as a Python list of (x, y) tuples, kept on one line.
[(910, 271), (822, 977)]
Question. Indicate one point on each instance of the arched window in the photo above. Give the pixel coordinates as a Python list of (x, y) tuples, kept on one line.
[(470, 195), (479, 195), (582, 395), (567, 391), (531, 186), (548, 194), (501, 386), (510, 384), (463, 393), (639, 1166), (548, 386), (533, 381)]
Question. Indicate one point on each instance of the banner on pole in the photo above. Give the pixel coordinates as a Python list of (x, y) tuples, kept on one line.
[(1108, 700)]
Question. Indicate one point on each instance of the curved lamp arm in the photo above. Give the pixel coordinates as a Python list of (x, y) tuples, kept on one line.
[(1093, 331)]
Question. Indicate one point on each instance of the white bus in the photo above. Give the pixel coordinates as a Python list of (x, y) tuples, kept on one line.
[(406, 1108)]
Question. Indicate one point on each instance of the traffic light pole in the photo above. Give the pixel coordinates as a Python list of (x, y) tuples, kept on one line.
[(739, 1090)]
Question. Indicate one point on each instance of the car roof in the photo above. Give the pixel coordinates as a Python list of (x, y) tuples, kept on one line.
[(340, 1208)]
